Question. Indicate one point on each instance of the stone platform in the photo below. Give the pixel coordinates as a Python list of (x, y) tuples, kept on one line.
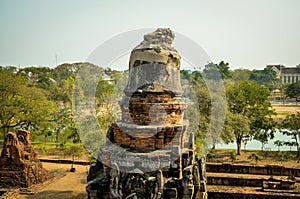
[(251, 181)]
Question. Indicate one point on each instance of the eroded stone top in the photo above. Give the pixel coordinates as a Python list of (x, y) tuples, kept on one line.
[(160, 39)]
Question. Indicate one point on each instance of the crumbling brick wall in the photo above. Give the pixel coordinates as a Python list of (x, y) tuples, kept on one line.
[(19, 164)]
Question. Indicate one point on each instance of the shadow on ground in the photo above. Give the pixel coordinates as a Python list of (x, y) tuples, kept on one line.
[(57, 195)]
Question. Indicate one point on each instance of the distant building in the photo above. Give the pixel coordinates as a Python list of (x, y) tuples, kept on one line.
[(287, 75)]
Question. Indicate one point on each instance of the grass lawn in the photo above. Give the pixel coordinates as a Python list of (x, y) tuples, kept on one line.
[(283, 110)]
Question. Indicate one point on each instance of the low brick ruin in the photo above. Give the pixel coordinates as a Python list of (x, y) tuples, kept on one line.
[(225, 180), (19, 164), (149, 152)]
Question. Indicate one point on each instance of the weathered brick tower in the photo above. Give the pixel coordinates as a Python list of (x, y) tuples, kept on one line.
[(19, 163), (149, 152)]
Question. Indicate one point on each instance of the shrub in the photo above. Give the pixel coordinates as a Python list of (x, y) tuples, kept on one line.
[(210, 155), (255, 156), (284, 155), (232, 156)]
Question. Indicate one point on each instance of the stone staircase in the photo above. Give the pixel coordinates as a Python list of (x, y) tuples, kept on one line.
[(247, 181)]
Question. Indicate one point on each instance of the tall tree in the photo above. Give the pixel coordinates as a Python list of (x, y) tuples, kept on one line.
[(291, 125), (241, 74), (222, 68), (237, 127), (249, 99), (293, 90), (266, 77), (21, 103)]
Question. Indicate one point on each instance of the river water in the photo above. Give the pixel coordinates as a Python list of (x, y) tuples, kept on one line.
[(256, 145)]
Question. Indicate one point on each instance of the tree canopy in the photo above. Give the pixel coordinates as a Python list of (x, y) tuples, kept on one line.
[(42, 98), (250, 100), (293, 90), (266, 77), (21, 103), (291, 125)]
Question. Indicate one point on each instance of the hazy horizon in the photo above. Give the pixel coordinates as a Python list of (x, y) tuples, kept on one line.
[(246, 34)]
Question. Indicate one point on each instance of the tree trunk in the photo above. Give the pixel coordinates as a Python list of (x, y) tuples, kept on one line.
[(73, 159), (5, 131), (297, 145), (238, 144), (56, 138), (213, 147), (245, 143)]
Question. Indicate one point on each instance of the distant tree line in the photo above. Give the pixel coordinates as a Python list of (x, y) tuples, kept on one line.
[(40, 99), (249, 113)]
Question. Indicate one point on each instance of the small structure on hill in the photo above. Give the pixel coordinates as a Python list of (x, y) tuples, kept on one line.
[(19, 164)]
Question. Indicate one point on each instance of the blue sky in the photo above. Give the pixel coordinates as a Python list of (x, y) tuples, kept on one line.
[(247, 34)]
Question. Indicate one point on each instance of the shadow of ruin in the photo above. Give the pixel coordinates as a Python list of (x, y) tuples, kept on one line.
[(19, 163)]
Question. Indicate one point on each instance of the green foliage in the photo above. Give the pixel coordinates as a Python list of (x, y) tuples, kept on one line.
[(8, 70), (223, 69), (284, 155), (266, 77), (43, 149), (255, 156), (237, 127), (21, 103), (198, 111), (291, 127), (74, 151), (233, 156), (293, 90), (251, 100), (92, 159), (211, 155), (104, 91), (241, 75), (40, 98), (193, 77), (247, 98), (90, 138), (279, 144)]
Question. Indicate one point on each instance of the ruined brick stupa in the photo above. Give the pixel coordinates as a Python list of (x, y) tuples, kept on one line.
[(149, 152), (19, 164)]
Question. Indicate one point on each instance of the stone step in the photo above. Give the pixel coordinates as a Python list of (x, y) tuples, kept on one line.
[(228, 179), (239, 192), (252, 169)]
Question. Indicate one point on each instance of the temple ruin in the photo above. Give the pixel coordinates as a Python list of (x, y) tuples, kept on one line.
[(19, 163), (150, 153)]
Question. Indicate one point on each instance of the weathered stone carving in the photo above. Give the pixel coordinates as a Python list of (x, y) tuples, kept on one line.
[(19, 164), (147, 154)]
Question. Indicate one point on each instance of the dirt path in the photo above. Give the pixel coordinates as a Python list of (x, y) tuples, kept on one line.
[(70, 186)]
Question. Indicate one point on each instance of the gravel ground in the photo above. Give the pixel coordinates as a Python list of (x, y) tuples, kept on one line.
[(70, 186)]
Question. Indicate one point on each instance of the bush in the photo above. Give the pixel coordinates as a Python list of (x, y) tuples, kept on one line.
[(92, 159), (74, 151), (255, 156), (210, 155), (43, 149), (284, 155), (232, 156)]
